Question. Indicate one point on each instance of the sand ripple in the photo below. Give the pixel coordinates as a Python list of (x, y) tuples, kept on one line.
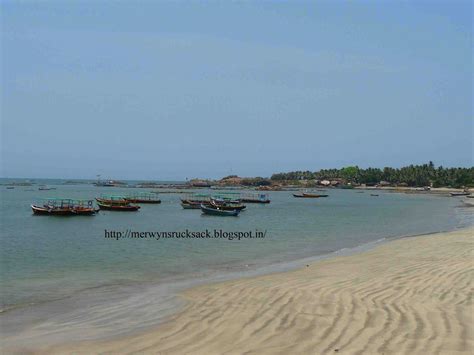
[(410, 296)]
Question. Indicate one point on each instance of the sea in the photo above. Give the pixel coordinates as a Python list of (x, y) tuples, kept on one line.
[(69, 272)]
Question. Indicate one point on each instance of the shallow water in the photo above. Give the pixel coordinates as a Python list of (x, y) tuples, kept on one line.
[(47, 258)]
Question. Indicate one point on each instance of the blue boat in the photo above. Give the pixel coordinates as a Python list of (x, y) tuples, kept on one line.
[(216, 211)]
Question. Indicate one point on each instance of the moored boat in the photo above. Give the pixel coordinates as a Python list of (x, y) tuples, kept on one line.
[(224, 205), (84, 207), (194, 201), (309, 195), (191, 206), (464, 193), (143, 198), (54, 211), (255, 198), (65, 207), (112, 200), (119, 207), (217, 211)]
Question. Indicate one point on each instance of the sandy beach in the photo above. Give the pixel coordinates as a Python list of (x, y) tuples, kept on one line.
[(409, 296)]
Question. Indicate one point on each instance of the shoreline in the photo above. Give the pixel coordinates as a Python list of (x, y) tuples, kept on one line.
[(242, 277)]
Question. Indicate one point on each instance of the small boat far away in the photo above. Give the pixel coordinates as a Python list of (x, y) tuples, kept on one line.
[(255, 198), (143, 198), (309, 195)]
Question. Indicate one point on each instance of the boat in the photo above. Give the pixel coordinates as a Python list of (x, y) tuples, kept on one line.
[(84, 207), (464, 193), (119, 207), (375, 195), (195, 200), (309, 195), (216, 211), (65, 207), (143, 198), (227, 206), (255, 198), (10, 187), (49, 210), (45, 188), (229, 197), (191, 206), (112, 200)]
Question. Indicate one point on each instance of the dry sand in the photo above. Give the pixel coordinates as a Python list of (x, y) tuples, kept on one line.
[(409, 296)]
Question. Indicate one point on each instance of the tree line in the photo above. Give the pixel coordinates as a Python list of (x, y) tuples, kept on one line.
[(412, 175)]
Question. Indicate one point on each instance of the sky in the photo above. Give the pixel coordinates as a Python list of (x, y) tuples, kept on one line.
[(176, 90)]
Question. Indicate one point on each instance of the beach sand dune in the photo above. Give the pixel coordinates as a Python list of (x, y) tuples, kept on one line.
[(409, 296)]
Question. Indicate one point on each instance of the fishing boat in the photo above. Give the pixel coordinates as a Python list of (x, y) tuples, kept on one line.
[(64, 207), (48, 210), (464, 193), (216, 211), (45, 188), (191, 206), (112, 200), (56, 207), (120, 207), (227, 206), (309, 195), (84, 207), (255, 198), (143, 198), (374, 195), (194, 201), (10, 187), (229, 197)]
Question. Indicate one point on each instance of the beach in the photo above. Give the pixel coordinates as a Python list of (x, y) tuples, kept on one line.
[(408, 296)]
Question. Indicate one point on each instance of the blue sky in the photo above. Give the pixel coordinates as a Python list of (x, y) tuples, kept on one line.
[(168, 90)]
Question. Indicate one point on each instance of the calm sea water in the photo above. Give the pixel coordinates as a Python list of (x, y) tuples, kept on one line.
[(46, 258)]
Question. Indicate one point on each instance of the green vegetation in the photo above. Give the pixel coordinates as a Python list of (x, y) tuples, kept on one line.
[(413, 175)]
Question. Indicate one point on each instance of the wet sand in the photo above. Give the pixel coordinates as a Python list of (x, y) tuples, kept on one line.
[(409, 296)]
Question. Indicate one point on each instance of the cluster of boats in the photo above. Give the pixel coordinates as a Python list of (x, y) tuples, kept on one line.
[(74, 207), (129, 203), (230, 204)]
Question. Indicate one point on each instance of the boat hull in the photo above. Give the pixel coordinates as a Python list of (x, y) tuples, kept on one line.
[(111, 202), (188, 206), (86, 211), (309, 195), (119, 208), (249, 200), (218, 212), (137, 200), (52, 211), (454, 194)]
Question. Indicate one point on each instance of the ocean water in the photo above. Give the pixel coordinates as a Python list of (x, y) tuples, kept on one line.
[(47, 259)]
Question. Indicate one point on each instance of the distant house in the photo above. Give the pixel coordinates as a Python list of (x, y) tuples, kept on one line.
[(325, 182)]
